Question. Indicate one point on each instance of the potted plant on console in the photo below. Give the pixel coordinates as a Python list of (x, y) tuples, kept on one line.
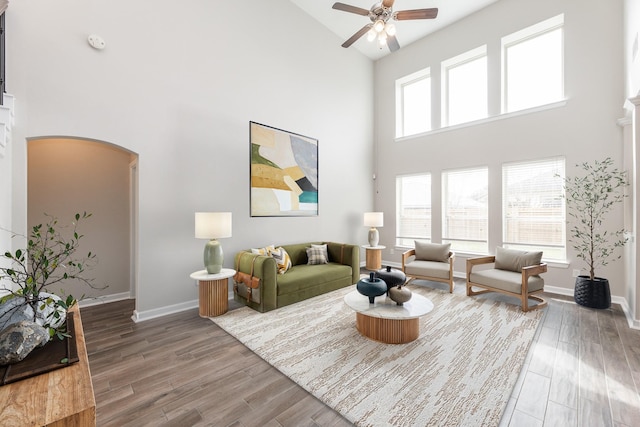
[(589, 198), (27, 304)]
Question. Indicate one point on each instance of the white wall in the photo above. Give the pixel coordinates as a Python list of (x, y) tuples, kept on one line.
[(178, 84), (582, 130)]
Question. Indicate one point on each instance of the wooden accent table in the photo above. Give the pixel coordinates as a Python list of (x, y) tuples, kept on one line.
[(63, 397), (373, 257), (213, 293), (387, 322)]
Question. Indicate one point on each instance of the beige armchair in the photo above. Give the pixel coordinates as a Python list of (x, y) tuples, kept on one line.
[(429, 261), (514, 273)]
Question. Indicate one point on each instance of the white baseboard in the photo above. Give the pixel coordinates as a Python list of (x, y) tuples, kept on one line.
[(88, 302), (141, 316)]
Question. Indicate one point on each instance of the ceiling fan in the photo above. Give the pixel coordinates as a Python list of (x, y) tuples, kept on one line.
[(380, 27)]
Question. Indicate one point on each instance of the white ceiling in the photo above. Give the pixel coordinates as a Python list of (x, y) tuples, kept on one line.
[(345, 24)]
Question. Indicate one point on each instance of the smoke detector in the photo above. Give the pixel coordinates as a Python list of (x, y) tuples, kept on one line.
[(96, 42)]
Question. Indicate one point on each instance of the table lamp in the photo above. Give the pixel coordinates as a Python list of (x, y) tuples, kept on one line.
[(373, 220), (212, 226)]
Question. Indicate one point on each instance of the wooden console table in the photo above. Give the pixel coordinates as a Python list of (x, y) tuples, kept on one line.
[(63, 397)]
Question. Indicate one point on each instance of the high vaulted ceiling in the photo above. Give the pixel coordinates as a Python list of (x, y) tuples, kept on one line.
[(346, 24)]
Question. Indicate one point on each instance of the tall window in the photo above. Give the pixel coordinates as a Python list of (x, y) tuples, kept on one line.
[(413, 205), (413, 104), (464, 87), (533, 208), (466, 209), (533, 66)]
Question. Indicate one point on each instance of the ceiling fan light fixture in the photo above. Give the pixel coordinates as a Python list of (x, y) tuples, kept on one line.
[(390, 29), (371, 35), (378, 26)]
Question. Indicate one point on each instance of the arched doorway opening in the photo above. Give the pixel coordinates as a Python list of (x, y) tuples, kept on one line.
[(69, 175)]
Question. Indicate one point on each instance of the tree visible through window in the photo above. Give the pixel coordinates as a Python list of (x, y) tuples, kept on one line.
[(466, 209), (533, 209)]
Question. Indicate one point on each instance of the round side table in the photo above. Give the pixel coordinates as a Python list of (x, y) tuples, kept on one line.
[(373, 257), (213, 291)]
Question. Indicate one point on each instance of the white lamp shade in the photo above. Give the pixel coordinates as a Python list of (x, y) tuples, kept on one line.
[(373, 219), (213, 225)]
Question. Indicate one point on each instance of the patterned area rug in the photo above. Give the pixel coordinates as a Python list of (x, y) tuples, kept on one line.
[(459, 372)]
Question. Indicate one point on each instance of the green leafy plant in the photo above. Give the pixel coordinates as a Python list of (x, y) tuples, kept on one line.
[(589, 199), (48, 259)]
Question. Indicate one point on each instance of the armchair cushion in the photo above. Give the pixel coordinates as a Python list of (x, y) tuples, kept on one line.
[(427, 269), (514, 260), (505, 280), (432, 251)]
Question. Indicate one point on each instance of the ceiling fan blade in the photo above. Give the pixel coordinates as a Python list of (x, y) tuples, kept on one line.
[(393, 44), (404, 15), (387, 3), (351, 9), (357, 35)]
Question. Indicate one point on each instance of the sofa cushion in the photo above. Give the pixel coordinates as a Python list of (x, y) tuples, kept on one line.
[(427, 268), (505, 280), (438, 252), (300, 277), (282, 259), (514, 260), (317, 255)]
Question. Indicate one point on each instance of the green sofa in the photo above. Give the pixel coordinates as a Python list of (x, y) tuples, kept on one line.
[(301, 281)]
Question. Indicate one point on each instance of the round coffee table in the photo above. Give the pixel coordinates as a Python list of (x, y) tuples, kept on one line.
[(387, 322)]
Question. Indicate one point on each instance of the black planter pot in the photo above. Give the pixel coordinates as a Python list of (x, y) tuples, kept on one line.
[(592, 293)]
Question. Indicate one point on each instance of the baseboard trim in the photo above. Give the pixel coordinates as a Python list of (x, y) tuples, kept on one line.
[(141, 316), (88, 302)]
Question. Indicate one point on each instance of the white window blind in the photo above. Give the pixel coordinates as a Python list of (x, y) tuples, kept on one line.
[(466, 209), (413, 206), (533, 208)]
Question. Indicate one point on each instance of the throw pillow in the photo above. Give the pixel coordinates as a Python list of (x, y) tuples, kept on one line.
[(282, 259), (324, 249), (316, 255), (432, 251), (263, 251), (514, 260)]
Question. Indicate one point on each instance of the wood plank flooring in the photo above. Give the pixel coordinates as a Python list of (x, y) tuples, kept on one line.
[(583, 369)]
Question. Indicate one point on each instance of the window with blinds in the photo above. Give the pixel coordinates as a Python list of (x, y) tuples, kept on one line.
[(413, 206), (465, 216), (533, 208)]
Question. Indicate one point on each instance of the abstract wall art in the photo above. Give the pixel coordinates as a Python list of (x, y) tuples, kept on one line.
[(284, 172)]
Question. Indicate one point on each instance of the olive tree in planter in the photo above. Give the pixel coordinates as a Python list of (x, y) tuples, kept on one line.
[(589, 198), (48, 259)]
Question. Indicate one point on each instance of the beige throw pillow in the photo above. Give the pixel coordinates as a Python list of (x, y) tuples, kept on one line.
[(514, 260), (432, 251)]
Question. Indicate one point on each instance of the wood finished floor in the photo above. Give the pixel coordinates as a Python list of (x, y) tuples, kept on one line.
[(583, 369)]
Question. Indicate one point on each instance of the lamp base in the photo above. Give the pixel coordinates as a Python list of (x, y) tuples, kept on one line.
[(374, 236), (213, 256)]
